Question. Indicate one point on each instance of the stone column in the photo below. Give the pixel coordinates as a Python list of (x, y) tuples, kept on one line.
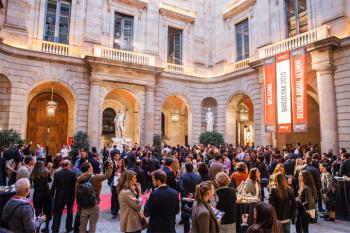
[(94, 113), (149, 116), (322, 63)]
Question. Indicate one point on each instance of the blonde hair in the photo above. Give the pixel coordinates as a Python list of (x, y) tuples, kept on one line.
[(222, 179), (202, 190)]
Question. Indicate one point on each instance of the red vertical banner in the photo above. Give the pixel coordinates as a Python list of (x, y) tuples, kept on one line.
[(299, 95), (70, 141), (270, 94), (283, 86)]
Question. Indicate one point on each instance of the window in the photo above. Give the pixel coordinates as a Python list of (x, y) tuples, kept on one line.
[(123, 31), (108, 126), (57, 21), (296, 17), (175, 46), (242, 40)]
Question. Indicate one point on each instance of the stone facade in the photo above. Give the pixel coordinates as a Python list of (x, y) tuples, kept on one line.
[(84, 74)]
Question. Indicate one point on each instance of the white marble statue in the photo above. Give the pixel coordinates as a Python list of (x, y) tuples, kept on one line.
[(209, 118), (119, 122)]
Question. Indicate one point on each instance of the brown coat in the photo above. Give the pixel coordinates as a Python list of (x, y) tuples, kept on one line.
[(96, 180), (204, 220), (129, 211)]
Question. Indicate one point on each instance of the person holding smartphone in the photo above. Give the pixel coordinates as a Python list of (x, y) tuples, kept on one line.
[(226, 204), (203, 217)]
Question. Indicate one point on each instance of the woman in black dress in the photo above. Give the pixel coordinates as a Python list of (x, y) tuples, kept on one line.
[(41, 198)]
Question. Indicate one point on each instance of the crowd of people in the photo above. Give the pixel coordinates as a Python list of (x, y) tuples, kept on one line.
[(149, 187)]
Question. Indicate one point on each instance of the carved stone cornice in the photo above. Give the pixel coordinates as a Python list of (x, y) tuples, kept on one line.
[(175, 12), (325, 44), (142, 4), (237, 7)]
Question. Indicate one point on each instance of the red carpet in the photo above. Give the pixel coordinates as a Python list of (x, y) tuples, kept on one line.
[(105, 202)]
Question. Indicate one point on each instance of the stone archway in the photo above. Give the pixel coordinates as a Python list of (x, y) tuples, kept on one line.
[(5, 99), (313, 135), (50, 132), (176, 121), (126, 101), (238, 132), (208, 102)]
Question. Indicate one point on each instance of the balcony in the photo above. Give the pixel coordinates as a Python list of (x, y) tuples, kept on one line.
[(55, 48), (237, 66), (173, 68), (298, 41), (124, 56)]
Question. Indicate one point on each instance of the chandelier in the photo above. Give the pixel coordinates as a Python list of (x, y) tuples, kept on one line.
[(51, 105), (175, 113), (243, 114)]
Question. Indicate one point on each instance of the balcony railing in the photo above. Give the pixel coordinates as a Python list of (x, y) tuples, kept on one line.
[(298, 41), (124, 56), (237, 66), (179, 69), (55, 48)]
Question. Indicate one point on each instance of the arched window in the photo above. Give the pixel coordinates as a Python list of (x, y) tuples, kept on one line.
[(108, 121)]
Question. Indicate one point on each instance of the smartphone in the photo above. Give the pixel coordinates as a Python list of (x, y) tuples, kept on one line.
[(219, 214)]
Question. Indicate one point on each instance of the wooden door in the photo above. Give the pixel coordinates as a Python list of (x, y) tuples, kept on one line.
[(49, 132)]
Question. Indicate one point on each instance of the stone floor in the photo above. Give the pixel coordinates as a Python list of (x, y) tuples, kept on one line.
[(108, 225)]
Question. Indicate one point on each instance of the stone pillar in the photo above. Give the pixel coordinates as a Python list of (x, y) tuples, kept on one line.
[(266, 138), (93, 114), (322, 63), (149, 116)]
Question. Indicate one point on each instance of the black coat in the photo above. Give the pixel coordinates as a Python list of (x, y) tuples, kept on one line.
[(315, 175), (344, 169), (141, 177), (162, 207), (170, 178), (285, 208), (63, 186), (227, 203), (289, 166), (95, 166)]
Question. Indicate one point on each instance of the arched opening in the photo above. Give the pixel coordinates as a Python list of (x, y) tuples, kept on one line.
[(240, 120), (176, 118), (5, 98), (50, 132), (313, 135), (126, 102), (208, 103), (108, 126)]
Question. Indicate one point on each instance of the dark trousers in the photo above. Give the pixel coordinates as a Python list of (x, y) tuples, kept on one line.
[(303, 221), (114, 201), (43, 205), (77, 223), (57, 213), (186, 208)]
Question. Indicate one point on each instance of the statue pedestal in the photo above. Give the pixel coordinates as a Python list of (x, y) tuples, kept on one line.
[(120, 142)]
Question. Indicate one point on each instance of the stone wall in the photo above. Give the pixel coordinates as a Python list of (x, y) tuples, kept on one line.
[(342, 88)]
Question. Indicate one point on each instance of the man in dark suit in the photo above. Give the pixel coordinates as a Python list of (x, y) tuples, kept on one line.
[(162, 205), (95, 163), (344, 169), (187, 187), (170, 176), (63, 192), (289, 165), (141, 175)]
